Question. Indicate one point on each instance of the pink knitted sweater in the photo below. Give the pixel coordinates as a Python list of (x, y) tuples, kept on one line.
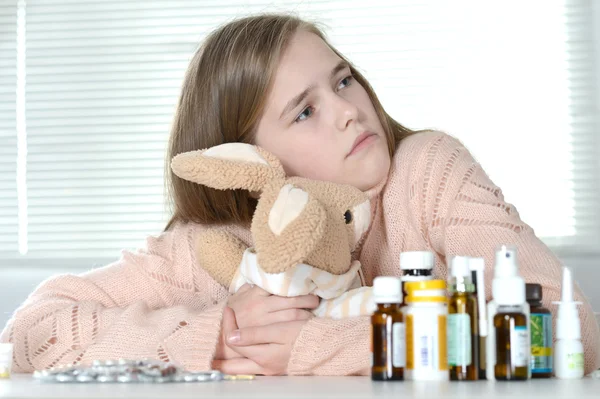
[(157, 302)]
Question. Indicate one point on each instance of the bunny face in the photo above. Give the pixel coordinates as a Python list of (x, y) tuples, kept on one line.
[(296, 220)]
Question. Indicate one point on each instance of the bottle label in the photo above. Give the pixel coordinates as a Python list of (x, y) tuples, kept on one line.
[(459, 340), (541, 343), (575, 361), (399, 350), (519, 346), (426, 342)]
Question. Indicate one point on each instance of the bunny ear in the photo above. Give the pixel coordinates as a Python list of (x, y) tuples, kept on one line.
[(229, 166)]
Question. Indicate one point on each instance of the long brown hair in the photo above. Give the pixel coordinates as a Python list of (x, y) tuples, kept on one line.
[(222, 99)]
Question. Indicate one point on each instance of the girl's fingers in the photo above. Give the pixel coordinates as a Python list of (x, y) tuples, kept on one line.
[(276, 303), (237, 366), (287, 315)]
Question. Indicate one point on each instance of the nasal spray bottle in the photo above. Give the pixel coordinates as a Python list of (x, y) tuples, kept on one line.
[(568, 349), (509, 304)]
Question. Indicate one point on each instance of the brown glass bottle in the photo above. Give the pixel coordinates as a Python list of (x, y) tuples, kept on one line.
[(463, 323), (383, 323), (511, 341), (541, 333), (388, 333), (464, 303)]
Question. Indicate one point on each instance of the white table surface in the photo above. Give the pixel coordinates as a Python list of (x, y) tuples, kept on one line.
[(23, 386)]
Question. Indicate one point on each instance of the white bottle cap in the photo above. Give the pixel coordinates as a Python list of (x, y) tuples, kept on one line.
[(568, 325), (387, 289), (459, 267), (508, 287), (416, 260)]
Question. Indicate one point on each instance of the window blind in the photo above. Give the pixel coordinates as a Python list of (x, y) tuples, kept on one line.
[(513, 80), (8, 128)]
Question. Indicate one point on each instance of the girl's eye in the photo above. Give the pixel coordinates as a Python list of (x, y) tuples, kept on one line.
[(304, 114), (307, 112), (347, 81)]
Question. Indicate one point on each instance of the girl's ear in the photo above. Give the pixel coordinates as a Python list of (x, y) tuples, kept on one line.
[(229, 166)]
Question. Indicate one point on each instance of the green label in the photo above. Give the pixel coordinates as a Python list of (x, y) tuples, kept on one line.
[(575, 361), (541, 343), (459, 339)]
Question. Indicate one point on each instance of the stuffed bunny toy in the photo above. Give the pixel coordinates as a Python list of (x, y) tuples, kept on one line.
[(303, 231)]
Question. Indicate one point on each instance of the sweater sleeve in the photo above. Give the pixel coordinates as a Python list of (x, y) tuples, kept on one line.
[(332, 347), (464, 213), (151, 303)]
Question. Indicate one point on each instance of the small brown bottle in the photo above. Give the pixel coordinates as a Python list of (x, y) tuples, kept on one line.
[(540, 325), (512, 344), (463, 323), (388, 331)]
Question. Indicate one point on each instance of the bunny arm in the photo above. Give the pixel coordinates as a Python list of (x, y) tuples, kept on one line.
[(341, 295), (220, 253)]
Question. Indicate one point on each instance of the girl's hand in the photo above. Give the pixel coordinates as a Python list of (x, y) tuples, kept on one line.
[(265, 349), (255, 307)]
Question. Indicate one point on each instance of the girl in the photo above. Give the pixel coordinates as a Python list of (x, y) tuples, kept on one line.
[(275, 81)]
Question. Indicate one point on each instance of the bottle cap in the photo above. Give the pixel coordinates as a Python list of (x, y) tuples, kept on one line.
[(460, 275), (459, 266), (533, 292), (387, 289), (416, 260), (508, 287), (568, 325)]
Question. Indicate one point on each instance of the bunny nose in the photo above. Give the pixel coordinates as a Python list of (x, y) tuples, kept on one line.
[(362, 219)]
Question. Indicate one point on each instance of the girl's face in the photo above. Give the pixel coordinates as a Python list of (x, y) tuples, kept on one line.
[(319, 121)]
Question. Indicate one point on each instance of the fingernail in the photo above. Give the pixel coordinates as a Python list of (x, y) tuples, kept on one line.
[(233, 337)]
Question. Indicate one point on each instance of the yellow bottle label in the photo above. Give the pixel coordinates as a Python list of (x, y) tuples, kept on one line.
[(442, 343), (410, 364)]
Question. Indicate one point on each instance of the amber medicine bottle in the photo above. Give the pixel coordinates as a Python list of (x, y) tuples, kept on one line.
[(388, 331), (463, 324), (510, 322)]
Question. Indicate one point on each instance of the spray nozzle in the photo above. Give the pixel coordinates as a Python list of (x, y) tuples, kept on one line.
[(506, 262), (566, 293), (567, 321)]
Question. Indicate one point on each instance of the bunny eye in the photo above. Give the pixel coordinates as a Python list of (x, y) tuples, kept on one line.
[(348, 217)]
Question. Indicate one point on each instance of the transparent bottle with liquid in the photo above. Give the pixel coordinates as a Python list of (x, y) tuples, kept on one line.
[(388, 332)]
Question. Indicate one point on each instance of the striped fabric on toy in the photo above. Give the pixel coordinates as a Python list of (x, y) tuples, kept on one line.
[(341, 295)]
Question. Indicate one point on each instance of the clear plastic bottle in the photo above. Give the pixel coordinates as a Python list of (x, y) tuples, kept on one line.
[(426, 324), (568, 349), (388, 331), (6, 358)]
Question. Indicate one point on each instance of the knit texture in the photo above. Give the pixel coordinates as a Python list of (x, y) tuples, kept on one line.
[(158, 303)]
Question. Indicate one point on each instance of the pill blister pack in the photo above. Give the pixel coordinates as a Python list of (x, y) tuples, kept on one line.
[(130, 371)]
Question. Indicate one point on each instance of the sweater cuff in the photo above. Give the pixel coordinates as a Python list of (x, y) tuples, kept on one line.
[(194, 345), (332, 347)]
